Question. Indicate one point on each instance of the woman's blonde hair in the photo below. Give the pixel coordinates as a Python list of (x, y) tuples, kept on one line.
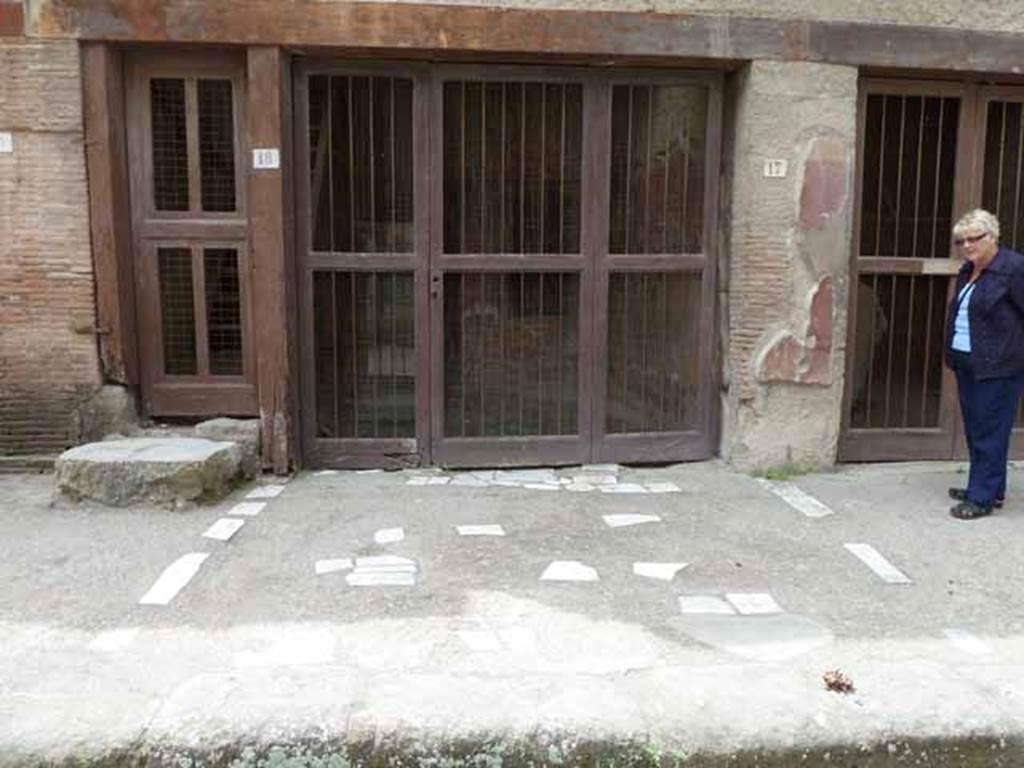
[(977, 218)]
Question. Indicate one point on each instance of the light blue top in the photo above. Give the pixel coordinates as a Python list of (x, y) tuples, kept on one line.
[(962, 325)]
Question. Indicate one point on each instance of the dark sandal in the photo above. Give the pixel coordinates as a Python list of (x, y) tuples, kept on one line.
[(960, 494), (968, 510)]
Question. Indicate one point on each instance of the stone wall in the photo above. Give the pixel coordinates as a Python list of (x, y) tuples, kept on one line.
[(48, 355), (788, 257)]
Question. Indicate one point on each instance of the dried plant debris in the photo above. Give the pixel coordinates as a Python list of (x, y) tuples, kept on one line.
[(837, 682)]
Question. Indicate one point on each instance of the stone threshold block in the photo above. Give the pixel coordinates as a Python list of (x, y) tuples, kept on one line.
[(170, 470)]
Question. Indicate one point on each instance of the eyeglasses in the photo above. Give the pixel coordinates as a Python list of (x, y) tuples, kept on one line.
[(960, 242)]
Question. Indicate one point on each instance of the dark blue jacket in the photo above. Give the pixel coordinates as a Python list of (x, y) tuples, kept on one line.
[(996, 316)]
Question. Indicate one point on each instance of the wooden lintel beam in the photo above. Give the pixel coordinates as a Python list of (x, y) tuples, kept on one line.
[(466, 29)]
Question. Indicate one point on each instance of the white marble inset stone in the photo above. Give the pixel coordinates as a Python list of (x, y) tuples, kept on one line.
[(369, 471), (620, 521), (418, 480), (173, 579), (523, 476), (480, 530), (444, 480), (377, 578), (479, 640), (569, 570), (663, 487), (224, 529), (388, 535), (543, 486), (469, 480), (247, 508), (885, 570), (113, 640), (965, 641), (332, 565), (804, 503), (753, 603), (325, 472), (705, 604), (265, 492), (580, 487), (603, 469), (623, 488), (662, 571), (595, 479), (385, 562)]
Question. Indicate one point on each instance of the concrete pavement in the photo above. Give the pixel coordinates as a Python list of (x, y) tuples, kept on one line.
[(256, 659)]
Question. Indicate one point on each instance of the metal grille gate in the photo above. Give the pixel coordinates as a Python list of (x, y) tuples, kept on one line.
[(505, 265), (927, 153)]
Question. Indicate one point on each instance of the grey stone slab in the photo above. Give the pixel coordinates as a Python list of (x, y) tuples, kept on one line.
[(774, 637)]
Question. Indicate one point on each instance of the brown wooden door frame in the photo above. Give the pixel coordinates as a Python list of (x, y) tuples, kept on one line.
[(361, 452)]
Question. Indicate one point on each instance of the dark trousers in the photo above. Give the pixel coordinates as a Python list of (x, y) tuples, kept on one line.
[(989, 409)]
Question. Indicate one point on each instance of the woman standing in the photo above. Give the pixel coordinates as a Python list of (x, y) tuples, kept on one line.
[(985, 349)]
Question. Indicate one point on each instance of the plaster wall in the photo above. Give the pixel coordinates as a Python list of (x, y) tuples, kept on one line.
[(48, 356), (787, 262)]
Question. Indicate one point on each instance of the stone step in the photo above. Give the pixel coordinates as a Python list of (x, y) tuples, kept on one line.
[(155, 470)]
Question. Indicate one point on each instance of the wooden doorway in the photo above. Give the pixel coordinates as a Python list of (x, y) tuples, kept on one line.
[(927, 152), (504, 266)]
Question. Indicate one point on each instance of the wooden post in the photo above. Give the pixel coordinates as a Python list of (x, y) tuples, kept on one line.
[(110, 211), (269, 119)]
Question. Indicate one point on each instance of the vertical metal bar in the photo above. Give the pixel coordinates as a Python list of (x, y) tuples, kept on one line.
[(501, 345), (917, 181), (664, 200), (480, 348), (938, 169), (892, 339), (334, 353), (899, 176), (393, 245), (351, 177), (463, 202), (663, 375), (522, 179), (504, 115), (543, 164), (330, 161), (540, 356), (871, 364), (629, 164), (373, 187), (391, 355), (462, 348), (355, 354), (483, 167), (647, 171), (522, 347), (561, 220), (908, 357), (643, 356), (1002, 155), (374, 278), (927, 349), (683, 219), (558, 359), (1016, 189), (625, 351), (881, 170)]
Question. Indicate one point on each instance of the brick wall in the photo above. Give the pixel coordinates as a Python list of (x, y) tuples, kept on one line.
[(48, 356)]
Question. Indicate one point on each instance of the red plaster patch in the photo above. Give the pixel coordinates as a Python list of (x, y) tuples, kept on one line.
[(780, 362), (809, 361), (824, 189), (819, 331), (12, 19)]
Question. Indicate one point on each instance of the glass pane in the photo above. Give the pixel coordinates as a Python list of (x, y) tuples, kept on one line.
[(365, 354), (511, 348), (177, 311), (907, 178), (657, 173), (896, 370), (653, 351), (512, 167), (223, 311), (361, 174), (216, 145), (170, 151)]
